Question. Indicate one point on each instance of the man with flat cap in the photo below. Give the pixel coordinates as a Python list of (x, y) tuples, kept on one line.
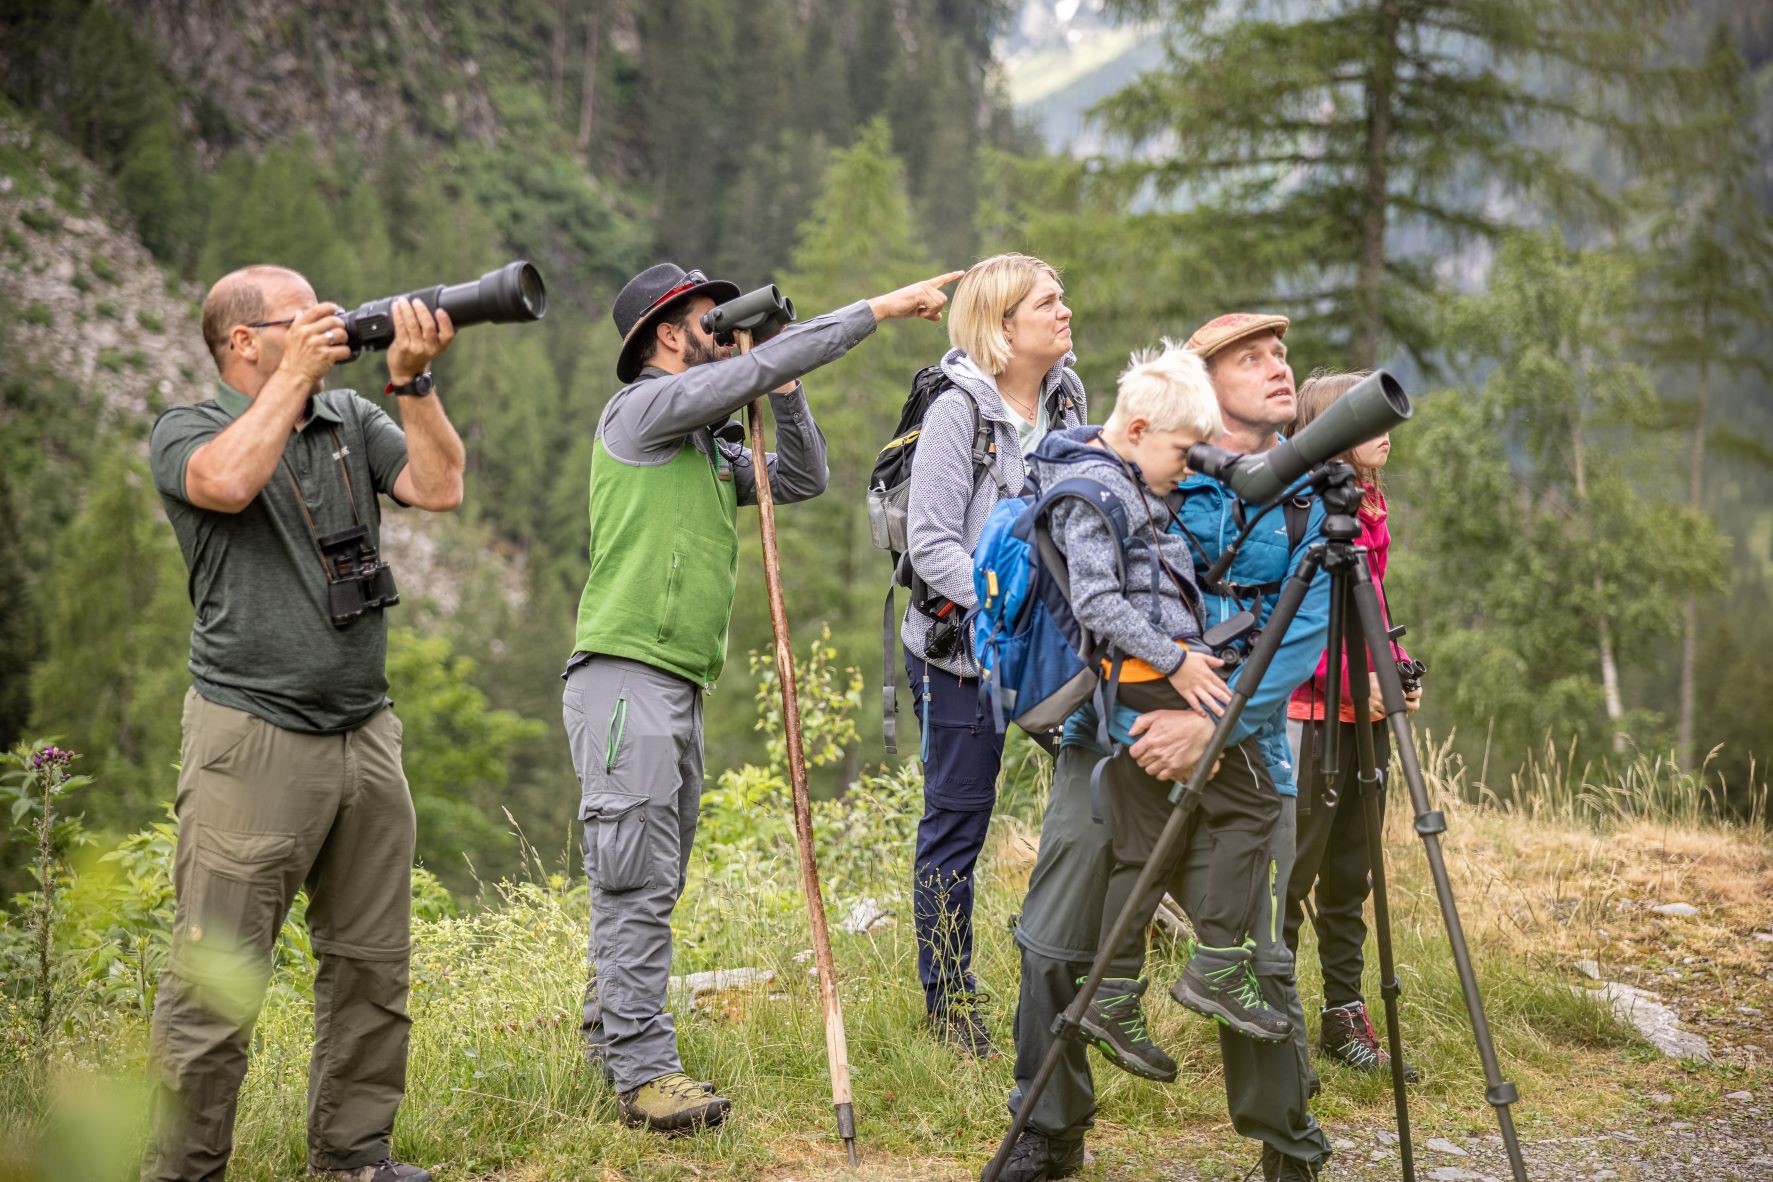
[(1070, 904), (668, 473)]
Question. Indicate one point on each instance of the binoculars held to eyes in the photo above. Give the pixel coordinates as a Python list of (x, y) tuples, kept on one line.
[(511, 294), (762, 313)]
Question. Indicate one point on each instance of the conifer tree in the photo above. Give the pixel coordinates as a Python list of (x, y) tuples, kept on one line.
[(1709, 296), (1543, 559), (1355, 139)]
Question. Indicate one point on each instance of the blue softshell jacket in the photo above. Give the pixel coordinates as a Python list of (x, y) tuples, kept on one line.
[(1208, 509)]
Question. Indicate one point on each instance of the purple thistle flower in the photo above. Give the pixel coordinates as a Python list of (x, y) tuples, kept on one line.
[(51, 756)]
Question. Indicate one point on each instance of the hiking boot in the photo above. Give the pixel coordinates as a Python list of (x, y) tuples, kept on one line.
[(386, 1170), (1036, 1157), (958, 1021), (1115, 1024), (1348, 1037), (1278, 1167), (1218, 982), (672, 1103)]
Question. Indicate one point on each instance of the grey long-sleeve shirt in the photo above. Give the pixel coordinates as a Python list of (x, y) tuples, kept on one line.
[(950, 502), (646, 423)]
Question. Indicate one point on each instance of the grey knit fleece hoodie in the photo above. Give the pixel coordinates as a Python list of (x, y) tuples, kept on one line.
[(947, 513), (1125, 618)]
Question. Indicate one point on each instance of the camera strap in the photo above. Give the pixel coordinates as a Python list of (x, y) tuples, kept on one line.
[(338, 455)]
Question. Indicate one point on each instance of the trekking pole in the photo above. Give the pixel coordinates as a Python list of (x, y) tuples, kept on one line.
[(836, 1046)]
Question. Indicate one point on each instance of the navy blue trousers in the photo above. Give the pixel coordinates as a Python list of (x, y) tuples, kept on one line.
[(961, 754)]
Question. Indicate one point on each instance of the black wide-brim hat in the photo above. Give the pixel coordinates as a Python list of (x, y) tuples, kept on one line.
[(647, 297)]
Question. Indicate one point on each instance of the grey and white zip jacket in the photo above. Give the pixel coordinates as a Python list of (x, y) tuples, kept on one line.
[(948, 509)]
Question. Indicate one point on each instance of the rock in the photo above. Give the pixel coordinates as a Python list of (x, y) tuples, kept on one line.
[(1644, 1011), (1442, 1145), (698, 985), (865, 917), (1764, 937), (1749, 1011), (1342, 1144), (1386, 1137), (1677, 910), (1661, 1098), (1603, 1175), (1452, 1174), (1739, 1097), (1590, 969)]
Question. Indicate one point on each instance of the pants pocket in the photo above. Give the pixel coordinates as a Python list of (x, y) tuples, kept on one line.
[(229, 910), (616, 840)]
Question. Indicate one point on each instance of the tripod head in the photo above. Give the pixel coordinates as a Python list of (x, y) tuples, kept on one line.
[(1333, 481)]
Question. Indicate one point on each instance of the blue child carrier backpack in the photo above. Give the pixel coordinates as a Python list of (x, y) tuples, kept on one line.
[(1038, 663)]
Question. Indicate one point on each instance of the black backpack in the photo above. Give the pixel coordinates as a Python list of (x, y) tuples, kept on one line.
[(889, 494)]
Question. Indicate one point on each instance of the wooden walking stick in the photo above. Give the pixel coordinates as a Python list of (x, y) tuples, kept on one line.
[(836, 1047)]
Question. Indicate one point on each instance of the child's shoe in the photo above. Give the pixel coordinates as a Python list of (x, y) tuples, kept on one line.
[(1218, 982)]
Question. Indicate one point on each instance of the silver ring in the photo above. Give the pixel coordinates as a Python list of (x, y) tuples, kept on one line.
[(329, 336)]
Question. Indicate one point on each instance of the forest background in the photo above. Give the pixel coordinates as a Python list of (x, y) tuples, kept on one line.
[(1550, 219)]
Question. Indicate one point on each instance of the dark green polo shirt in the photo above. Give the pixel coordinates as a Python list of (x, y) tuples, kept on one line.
[(263, 641)]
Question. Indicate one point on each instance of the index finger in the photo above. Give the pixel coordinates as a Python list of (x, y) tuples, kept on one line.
[(319, 311), (945, 280)]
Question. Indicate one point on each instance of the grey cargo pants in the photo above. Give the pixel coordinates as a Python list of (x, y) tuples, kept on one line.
[(1265, 1083), (636, 736)]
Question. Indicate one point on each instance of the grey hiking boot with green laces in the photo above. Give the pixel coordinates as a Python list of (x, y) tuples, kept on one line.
[(1115, 1025), (1219, 983), (672, 1103)]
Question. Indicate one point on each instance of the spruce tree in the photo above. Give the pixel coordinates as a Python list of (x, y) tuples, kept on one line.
[(1709, 298), (1358, 139)]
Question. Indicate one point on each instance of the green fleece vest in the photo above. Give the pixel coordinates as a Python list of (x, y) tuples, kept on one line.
[(664, 562)]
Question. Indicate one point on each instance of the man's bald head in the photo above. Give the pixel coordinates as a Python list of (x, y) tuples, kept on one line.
[(240, 297)]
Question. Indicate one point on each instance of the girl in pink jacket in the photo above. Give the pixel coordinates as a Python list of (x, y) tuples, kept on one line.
[(1332, 854)]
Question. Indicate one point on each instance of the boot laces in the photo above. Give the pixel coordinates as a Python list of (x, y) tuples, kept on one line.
[(1246, 992), (678, 1086), (1124, 1010), (1363, 1041)]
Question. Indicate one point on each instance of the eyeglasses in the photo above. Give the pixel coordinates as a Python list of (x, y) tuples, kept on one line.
[(270, 323), (690, 279)]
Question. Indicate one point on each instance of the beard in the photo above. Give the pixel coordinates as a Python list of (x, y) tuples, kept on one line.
[(700, 352)]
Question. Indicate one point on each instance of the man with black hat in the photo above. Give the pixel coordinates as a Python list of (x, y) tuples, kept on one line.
[(1070, 903), (668, 473)]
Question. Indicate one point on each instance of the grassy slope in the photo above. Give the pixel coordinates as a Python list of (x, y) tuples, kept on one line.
[(498, 1090)]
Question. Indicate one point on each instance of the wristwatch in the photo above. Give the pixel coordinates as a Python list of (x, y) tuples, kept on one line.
[(419, 387)]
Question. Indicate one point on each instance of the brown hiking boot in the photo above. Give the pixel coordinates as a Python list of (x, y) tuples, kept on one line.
[(386, 1170), (672, 1103)]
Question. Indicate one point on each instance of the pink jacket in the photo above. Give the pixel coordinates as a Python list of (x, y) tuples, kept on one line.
[(1308, 700)]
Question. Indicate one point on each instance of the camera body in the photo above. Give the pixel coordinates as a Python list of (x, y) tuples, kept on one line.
[(356, 576)]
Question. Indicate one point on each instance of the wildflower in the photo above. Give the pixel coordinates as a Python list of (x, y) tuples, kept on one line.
[(51, 757)]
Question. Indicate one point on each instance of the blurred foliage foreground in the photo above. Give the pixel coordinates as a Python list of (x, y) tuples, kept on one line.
[(497, 1083)]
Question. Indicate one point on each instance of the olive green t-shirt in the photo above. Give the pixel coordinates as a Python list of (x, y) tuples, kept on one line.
[(263, 640)]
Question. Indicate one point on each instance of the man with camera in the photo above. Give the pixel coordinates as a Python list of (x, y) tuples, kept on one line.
[(668, 474), (290, 775), (1064, 918)]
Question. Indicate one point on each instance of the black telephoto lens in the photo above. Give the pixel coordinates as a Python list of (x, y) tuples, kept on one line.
[(513, 293)]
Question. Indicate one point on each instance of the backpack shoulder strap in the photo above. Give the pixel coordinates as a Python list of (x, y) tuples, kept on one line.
[(984, 443), (1297, 511)]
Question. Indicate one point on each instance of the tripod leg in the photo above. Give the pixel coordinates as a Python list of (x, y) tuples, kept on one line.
[(1183, 800), (1369, 786), (1430, 824), (1323, 777)]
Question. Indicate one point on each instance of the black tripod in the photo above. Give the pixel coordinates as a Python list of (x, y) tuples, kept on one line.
[(1351, 585)]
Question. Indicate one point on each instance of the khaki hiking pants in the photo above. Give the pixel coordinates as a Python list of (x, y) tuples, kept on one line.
[(264, 812)]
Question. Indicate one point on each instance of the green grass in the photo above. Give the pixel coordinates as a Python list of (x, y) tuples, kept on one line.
[(497, 1086)]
